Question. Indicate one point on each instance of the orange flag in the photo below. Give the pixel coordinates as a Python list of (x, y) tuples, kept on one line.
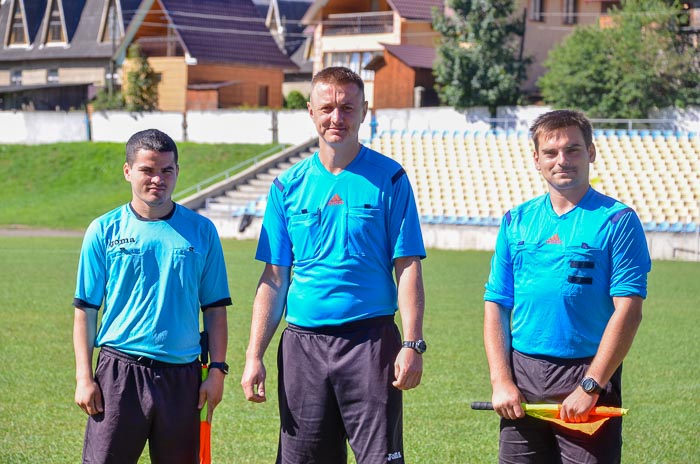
[(204, 428), (596, 418), (550, 412)]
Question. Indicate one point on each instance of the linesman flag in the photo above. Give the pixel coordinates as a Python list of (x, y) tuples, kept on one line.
[(550, 412)]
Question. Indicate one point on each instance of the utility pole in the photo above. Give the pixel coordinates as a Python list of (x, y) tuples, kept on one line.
[(113, 36)]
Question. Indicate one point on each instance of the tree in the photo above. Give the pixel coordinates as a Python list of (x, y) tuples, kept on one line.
[(295, 101), (142, 89), (479, 62), (104, 101), (642, 62)]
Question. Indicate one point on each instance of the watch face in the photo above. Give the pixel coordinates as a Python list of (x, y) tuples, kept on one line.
[(589, 385), (421, 346)]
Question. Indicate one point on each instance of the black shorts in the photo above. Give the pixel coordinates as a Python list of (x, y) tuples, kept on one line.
[(534, 441), (335, 385), (143, 403)]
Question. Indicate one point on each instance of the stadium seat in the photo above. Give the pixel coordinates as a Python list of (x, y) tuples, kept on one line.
[(459, 176)]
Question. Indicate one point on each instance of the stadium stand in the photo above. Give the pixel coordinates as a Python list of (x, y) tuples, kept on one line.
[(473, 178)]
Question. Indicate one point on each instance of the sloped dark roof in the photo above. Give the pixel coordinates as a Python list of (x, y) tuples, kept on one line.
[(82, 19), (262, 9), (413, 55), (291, 12), (72, 11), (33, 14), (129, 8), (416, 9), (225, 31)]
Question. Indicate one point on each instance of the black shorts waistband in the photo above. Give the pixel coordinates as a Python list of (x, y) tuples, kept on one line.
[(140, 360), (554, 360), (344, 328)]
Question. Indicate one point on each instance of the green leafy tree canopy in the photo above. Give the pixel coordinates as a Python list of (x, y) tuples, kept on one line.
[(640, 62), (479, 62), (142, 90)]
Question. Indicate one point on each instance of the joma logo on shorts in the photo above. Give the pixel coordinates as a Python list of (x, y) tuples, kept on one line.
[(393, 456), (121, 241)]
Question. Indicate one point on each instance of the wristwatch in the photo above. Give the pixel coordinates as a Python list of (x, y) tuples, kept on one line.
[(589, 385), (222, 366), (418, 345)]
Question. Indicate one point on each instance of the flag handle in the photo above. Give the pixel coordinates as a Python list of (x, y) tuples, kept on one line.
[(482, 406), (606, 411)]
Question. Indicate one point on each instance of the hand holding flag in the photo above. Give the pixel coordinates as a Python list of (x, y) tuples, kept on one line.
[(550, 412), (204, 427), (204, 424)]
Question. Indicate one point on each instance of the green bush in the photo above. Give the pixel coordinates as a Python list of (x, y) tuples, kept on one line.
[(295, 101), (104, 101)]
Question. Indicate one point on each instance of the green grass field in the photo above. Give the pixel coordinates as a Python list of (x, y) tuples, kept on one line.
[(39, 422), (66, 185)]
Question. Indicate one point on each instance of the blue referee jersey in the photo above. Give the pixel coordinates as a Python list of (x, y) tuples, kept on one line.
[(153, 277), (341, 233), (558, 274)]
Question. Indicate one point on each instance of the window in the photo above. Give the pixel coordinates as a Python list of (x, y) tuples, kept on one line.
[(110, 31), (55, 33), (263, 95), (536, 11), (52, 76), (569, 12), (353, 60), (18, 34), (16, 77)]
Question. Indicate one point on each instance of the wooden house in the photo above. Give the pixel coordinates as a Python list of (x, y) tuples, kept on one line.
[(56, 54), (208, 54), (355, 34)]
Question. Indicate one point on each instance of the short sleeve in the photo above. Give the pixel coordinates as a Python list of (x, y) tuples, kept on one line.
[(630, 257), (91, 280), (274, 244), (500, 285), (404, 223)]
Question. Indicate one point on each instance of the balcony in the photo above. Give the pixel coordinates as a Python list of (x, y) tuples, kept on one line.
[(359, 23), (161, 46)]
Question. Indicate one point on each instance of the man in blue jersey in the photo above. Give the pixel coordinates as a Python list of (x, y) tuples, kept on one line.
[(563, 302), (152, 265), (344, 220)]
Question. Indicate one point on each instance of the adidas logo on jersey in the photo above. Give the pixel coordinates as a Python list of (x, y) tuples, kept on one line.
[(336, 200), (554, 240)]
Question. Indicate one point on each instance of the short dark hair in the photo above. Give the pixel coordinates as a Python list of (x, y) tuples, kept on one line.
[(560, 119), (149, 139), (339, 75)]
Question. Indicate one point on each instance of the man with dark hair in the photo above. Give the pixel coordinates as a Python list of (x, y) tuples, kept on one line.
[(343, 220), (151, 264), (563, 302)]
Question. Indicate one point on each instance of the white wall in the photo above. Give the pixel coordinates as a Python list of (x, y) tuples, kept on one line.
[(256, 126), (226, 126), (34, 127), (687, 119), (295, 126), (118, 126)]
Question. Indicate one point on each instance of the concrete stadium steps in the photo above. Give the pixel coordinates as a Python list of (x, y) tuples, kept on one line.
[(237, 210)]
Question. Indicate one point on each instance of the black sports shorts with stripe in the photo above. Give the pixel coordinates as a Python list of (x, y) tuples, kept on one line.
[(335, 388)]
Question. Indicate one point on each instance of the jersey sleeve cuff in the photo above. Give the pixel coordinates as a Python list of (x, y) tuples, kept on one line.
[(79, 303), (216, 304)]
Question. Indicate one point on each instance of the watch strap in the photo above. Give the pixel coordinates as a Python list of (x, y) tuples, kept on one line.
[(418, 345), (222, 366)]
